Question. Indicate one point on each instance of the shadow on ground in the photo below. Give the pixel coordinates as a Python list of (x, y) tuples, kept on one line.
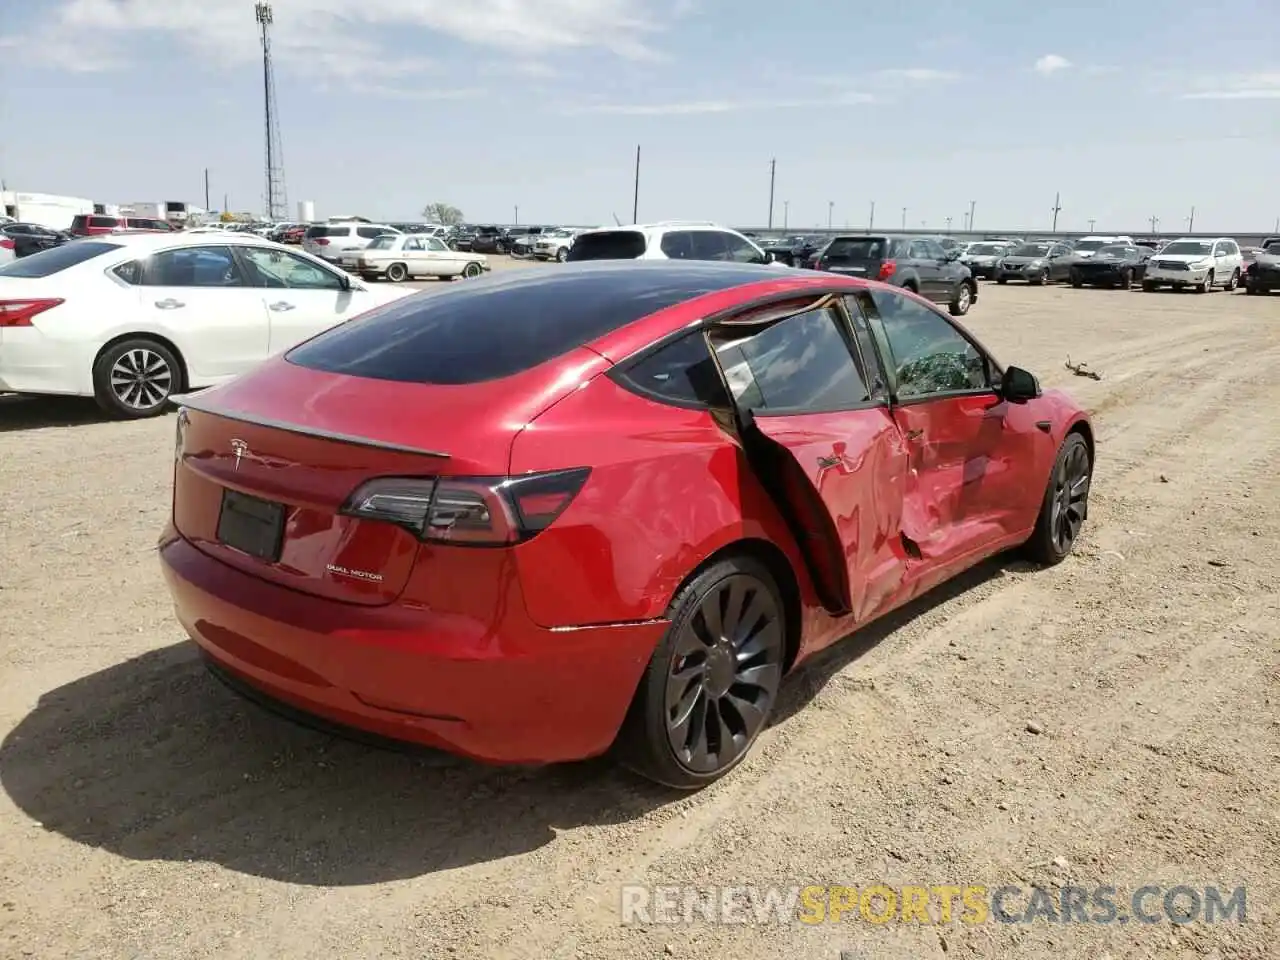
[(33, 413), (153, 759)]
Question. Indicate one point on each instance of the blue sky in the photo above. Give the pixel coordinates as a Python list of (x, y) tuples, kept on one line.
[(1131, 110)]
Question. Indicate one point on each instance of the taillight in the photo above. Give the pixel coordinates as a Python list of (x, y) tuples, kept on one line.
[(470, 511), (18, 313), (322, 241), (886, 269), (6, 243)]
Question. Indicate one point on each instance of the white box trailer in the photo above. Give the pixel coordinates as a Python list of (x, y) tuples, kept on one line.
[(46, 209)]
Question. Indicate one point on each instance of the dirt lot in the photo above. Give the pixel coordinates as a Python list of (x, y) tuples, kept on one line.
[(146, 812)]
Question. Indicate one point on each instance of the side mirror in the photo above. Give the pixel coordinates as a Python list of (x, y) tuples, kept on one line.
[(769, 257), (344, 283), (1018, 385)]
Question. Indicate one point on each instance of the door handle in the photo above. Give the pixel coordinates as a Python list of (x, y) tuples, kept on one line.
[(914, 434), (280, 305), (169, 304)]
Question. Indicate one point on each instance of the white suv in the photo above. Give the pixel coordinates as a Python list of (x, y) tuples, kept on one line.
[(667, 240), (329, 241), (1192, 262)]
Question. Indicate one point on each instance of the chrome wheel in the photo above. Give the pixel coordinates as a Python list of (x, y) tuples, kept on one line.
[(1070, 498), (141, 379), (962, 298), (723, 678)]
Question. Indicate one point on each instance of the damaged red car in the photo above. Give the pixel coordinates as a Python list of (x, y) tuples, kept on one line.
[(541, 515)]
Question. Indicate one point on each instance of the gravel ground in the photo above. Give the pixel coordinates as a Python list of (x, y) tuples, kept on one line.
[(146, 812)]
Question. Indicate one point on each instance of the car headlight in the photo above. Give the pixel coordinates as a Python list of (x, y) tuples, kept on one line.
[(1036, 263), (1201, 264)]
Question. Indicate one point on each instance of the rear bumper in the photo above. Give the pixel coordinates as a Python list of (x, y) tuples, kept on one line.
[(512, 692), (32, 363)]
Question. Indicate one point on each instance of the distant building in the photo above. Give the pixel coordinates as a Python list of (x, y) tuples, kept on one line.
[(45, 209)]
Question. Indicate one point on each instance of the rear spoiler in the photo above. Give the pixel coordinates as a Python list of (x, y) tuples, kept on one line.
[(199, 401)]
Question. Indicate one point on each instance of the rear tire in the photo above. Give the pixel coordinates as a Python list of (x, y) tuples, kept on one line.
[(712, 681), (1148, 286), (135, 378), (397, 272), (1076, 280), (961, 299), (1065, 506), (1002, 280), (1233, 282), (1207, 286)]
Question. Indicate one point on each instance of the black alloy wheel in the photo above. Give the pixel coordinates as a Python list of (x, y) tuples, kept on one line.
[(1066, 503), (713, 681)]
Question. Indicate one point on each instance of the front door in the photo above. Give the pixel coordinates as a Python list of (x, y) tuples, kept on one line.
[(198, 297), (302, 298), (823, 444), (444, 262), (964, 491)]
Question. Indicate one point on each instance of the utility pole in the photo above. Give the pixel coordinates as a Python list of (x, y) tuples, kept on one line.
[(635, 202), (831, 206), (516, 221), (226, 204), (1057, 208), (904, 219), (972, 204), (871, 220), (948, 224), (1155, 222), (206, 189), (773, 172), (277, 205), (1191, 221), (786, 213)]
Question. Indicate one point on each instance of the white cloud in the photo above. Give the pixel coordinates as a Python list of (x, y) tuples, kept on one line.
[(1238, 86), (693, 107), (1051, 63), (333, 37)]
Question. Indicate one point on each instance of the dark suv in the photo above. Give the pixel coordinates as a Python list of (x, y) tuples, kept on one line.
[(919, 264)]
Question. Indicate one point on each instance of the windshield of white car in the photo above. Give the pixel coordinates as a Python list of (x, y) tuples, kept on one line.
[(1090, 245), (1188, 247), (1031, 250), (1113, 250), (56, 259), (384, 242), (986, 249)]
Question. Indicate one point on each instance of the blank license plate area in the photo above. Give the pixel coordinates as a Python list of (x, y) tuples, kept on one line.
[(251, 525)]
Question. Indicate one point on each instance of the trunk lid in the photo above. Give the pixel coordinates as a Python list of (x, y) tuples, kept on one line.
[(265, 464)]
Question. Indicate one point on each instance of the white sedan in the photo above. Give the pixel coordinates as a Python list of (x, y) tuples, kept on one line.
[(131, 319), (409, 256)]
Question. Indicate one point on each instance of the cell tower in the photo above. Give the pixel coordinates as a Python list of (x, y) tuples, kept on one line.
[(277, 201)]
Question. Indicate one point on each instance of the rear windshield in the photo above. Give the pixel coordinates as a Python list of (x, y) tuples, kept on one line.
[(323, 231), (384, 242), (613, 245), (856, 248), (56, 259), (500, 326)]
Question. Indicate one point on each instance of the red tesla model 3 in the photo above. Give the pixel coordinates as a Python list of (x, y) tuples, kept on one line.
[(541, 514)]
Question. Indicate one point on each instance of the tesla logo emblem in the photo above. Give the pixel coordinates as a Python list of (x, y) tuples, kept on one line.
[(239, 448)]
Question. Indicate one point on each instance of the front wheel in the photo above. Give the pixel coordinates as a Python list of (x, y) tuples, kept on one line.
[(562, 255), (712, 682), (961, 300), (1126, 279), (1065, 506), (1002, 280), (135, 378), (1207, 285), (472, 270)]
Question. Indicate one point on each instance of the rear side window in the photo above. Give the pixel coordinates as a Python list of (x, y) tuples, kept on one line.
[(324, 231), (56, 259), (108, 222), (487, 329), (682, 372), (611, 245), (800, 365)]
